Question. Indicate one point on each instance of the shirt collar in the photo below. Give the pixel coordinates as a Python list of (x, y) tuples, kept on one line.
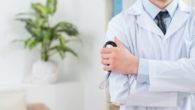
[(153, 10)]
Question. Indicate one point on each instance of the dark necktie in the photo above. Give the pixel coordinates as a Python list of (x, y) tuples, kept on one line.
[(160, 20)]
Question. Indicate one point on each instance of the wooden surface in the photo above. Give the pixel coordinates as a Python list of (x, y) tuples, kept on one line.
[(37, 106), (113, 107)]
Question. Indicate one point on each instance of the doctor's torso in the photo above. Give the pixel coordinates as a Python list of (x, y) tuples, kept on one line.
[(143, 38)]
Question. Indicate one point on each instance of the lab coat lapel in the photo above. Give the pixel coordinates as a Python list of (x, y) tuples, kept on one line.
[(144, 20), (147, 23), (179, 19)]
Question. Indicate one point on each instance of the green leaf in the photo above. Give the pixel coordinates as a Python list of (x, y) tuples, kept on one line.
[(39, 8), (26, 14), (36, 32), (46, 38), (40, 21), (51, 6), (63, 46), (66, 27), (28, 21), (62, 41), (30, 43), (32, 28), (37, 24), (67, 49), (61, 53), (44, 56)]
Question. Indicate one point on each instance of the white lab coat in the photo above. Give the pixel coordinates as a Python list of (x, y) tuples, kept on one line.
[(171, 60)]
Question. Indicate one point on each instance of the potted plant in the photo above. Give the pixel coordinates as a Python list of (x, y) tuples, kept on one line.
[(50, 39)]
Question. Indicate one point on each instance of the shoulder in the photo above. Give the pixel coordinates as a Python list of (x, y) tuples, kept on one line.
[(123, 18), (129, 15), (121, 26), (118, 19)]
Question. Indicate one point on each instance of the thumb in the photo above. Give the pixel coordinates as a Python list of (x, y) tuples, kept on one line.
[(118, 42)]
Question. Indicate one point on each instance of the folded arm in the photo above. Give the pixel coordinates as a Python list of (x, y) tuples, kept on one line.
[(169, 76)]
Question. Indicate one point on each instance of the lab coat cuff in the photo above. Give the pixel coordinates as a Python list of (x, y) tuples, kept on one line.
[(143, 71)]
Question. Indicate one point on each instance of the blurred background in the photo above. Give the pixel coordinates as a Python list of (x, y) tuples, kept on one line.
[(78, 78)]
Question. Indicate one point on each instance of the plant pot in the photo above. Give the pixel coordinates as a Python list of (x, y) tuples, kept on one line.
[(44, 72)]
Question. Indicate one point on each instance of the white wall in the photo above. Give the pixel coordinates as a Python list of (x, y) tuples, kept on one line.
[(88, 15), (14, 61)]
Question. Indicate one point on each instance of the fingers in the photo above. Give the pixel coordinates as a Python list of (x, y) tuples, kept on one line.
[(108, 63), (107, 58), (107, 50), (105, 62)]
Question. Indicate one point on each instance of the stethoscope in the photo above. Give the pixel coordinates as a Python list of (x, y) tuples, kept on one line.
[(104, 83)]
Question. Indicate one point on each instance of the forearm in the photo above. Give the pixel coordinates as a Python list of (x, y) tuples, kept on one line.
[(170, 76)]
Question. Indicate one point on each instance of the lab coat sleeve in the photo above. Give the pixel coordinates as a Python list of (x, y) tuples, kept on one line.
[(173, 76), (143, 71), (118, 83)]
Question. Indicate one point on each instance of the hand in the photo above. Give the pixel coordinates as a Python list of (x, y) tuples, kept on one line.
[(119, 59)]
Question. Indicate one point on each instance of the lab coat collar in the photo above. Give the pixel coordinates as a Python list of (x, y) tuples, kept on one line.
[(180, 17), (136, 9), (145, 21)]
